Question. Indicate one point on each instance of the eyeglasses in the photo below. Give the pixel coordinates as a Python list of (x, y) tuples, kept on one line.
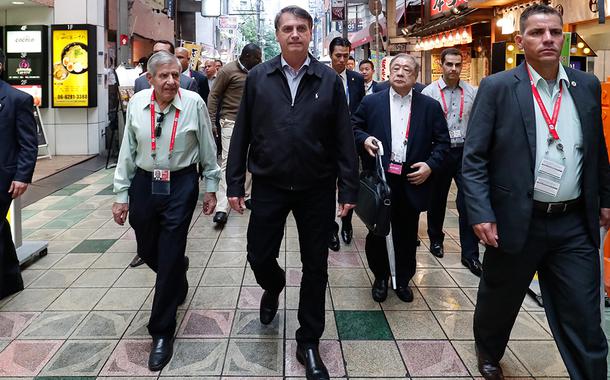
[(160, 119)]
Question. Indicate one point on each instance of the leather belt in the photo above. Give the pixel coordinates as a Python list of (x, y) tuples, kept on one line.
[(557, 207), (189, 169)]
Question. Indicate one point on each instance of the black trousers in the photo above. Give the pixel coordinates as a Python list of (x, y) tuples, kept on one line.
[(161, 225), (405, 222), (312, 210), (10, 274), (561, 250), (438, 204)]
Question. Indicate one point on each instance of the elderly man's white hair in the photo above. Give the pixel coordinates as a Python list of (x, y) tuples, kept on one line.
[(406, 56), (161, 58)]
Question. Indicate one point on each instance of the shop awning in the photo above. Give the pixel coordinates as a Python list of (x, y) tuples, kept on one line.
[(468, 17)]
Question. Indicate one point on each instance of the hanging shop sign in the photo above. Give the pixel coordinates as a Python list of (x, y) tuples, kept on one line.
[(439, 6), (26, 60), (337, 10), (74, 66), (449, 38)]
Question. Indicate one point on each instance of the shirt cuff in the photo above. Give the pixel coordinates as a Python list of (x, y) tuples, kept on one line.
[(122, 197), (211, 185)]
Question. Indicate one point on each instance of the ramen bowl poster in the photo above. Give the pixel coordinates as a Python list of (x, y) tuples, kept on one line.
[(72, 66)]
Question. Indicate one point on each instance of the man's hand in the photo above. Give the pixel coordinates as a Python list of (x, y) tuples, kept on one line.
[(238, 204), (421, 175), (344, 208), (209, 203), (17, 189), (370, 145), (215, 131), (487, 233), (604, 218), (119, 212)]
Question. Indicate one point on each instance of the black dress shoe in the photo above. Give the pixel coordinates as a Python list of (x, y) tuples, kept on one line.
[(136, 261), (248, 204), (437, 249), (474, 265), (380, 289), (268, 308), (220, 217), (490, 370), (333, 241), (314, 366), (404, 293), (160, 353), (347, 232)]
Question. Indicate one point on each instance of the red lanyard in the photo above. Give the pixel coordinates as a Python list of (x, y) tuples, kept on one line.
[(408, 122), (153, 139), (550, 122), (445, 108)]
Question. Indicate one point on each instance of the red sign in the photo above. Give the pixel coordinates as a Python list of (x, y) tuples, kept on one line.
[(124, 39), (438, 6)]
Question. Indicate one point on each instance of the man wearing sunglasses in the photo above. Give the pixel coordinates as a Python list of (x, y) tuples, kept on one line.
[(167, 133)]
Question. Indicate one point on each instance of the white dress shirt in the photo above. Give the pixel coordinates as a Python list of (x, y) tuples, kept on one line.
[(343, 76), (400, 109), (293, 77)]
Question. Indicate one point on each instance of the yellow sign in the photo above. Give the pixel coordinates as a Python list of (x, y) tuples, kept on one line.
[(195, 53), (70, 68)]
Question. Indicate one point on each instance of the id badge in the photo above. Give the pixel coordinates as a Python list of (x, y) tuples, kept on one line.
[(161, 182), (455, 134), (551, 168), (395, 168), (547, 186)]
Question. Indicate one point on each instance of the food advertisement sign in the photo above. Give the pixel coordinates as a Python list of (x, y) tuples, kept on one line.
[(73, 66)]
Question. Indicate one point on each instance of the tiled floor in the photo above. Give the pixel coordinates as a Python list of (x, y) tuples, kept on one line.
[(84, 313)]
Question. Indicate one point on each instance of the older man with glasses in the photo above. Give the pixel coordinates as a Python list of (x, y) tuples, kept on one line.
[(168, 131)]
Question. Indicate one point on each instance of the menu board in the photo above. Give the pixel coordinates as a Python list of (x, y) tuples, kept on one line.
[(73, 65)]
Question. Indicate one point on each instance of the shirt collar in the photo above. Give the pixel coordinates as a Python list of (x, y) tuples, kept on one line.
[(286, 65), (177, 102), (187, 72), (241, 66), (441, 82), (561, 76), (396, 95)]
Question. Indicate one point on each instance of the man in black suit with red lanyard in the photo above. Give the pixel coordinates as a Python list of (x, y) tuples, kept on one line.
[(18, 152)]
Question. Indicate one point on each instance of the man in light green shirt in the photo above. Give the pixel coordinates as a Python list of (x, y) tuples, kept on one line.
[(167, 132)]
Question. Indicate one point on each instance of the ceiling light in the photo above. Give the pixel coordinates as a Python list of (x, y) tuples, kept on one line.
[(586, 50), (510, 61), (580, 45), (510, 47)]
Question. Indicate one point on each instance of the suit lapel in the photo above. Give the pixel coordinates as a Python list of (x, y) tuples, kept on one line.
[(386, 119), (350, 85), (579, 98), (523, 93), (415, 119)]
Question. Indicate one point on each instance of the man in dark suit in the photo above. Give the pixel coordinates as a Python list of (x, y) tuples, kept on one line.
[(353, 84), (537, 186), (18, 152), (367, 69), (413, 132), (184, 56)]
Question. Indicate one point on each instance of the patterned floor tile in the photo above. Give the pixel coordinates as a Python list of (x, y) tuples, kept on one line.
[(53, 325), (193, 357), (29, 276), (207, 297), (293, 276), (362, 325), (339, 277), (222, 277), (106, 233), (353, 299), (344, 260), (433, 277), (254, 357), (250, 298), (76, 261), (464, 278), (395, 303), (456, 324), (93, 246), (57, 278), (80, 358), (540, 317), (44, 262), (527, 328), (13, 323), (330, 326), (431, 358), (27, 358), (104, 325), (446, 299), (414, 325), (112, 260), (78, 299), (330, 352), (97, 278), (141, 277), (32, 300), (510, 365), (129, 358), (138, 327), (293, 296), (123, 299), (373, 359), (196, 245), (206, 324), (227, 260), (123, 246), (247, 324), (231, 245), (541, 358)]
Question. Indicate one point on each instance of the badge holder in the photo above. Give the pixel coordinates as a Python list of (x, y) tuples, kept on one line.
[(161, 182), (553, 170), (396, 163)]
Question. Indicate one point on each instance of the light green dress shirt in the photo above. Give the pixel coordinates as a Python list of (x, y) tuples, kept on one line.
[(194, 141), (570, 134)]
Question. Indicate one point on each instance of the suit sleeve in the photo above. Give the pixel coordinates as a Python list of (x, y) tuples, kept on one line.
[(359, 125), (603, 165), (216, 92), (27, 140), (347, 159), (193, 85), (240, 141), (440, 137), (475, 160)]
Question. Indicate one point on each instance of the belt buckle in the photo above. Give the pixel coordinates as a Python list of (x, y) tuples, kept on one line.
[(552, 207)]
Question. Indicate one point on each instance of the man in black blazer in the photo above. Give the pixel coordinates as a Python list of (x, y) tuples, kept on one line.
[(353, 83), (415, 139), (184, 56), (18, 152), (537, 186)]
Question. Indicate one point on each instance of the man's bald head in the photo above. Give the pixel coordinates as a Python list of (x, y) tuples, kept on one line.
[(184, 56)]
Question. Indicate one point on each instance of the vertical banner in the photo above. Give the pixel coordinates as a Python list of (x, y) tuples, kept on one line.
[(74, 65), (565, 49), (338, 10)]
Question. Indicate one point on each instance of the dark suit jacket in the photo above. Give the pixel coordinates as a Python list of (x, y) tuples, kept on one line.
[(18, 141), (428, 137), (385, 85), (185, 82), (500, 154), (202, 85), (355, 85)]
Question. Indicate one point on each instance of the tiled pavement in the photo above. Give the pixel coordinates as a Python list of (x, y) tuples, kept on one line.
[(84, 313)]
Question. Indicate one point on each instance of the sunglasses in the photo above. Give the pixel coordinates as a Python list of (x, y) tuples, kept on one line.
[(160, 119)]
